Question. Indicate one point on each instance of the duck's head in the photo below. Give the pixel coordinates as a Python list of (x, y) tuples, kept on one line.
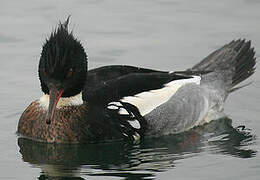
[(62, 67)]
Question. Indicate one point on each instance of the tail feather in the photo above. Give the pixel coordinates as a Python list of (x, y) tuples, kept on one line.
[(236, 60), (239, 87), (244, 63)]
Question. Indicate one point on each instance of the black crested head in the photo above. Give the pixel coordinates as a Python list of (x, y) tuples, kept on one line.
[(63, 62)]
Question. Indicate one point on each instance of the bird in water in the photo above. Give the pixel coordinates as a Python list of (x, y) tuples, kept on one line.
[(124, 102)]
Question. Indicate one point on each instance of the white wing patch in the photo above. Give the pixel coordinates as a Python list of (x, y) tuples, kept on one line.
[(117, 106), (123, 111), (136, 137), (135, 124), (112, 107), (149, 100)]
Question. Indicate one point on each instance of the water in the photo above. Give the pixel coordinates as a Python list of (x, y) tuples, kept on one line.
[(165, 35)]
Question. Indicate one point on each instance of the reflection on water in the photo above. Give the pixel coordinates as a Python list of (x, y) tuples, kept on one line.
[(135, 161)]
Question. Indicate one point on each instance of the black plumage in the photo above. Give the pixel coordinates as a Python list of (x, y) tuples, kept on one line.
[(101, 114)]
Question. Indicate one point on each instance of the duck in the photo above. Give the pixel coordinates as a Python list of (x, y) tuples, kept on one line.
[(127, 103)]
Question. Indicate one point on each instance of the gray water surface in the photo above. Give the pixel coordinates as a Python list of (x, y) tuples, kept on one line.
[(158, 34)]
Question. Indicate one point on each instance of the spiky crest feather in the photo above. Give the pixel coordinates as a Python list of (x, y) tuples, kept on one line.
[(61, 52)]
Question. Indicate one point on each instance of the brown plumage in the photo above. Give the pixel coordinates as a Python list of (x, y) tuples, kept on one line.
[(96, 109), (65, 127)]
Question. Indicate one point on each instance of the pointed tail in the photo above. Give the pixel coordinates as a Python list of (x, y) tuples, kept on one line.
[(235, 60)]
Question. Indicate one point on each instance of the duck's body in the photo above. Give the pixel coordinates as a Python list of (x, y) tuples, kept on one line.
[(125, 102), (110, 109)]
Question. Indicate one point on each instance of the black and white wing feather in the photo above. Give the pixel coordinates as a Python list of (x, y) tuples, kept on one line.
[(129, 96), (131, 124)]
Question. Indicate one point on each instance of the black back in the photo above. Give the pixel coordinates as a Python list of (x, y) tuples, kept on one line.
[(111, 83)]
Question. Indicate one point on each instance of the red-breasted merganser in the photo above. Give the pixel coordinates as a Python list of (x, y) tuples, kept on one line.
[(124, 102)]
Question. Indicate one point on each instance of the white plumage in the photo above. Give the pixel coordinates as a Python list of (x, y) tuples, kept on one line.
[(135, 124), (149, 100), (70, 101)]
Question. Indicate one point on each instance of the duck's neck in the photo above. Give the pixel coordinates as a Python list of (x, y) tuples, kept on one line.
[(68, 101)]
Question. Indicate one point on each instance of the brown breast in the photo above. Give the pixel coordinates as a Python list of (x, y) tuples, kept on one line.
[(64, 128)]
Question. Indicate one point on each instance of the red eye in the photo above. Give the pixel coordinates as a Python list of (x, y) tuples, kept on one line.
[(70, 72), (44, 71)]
